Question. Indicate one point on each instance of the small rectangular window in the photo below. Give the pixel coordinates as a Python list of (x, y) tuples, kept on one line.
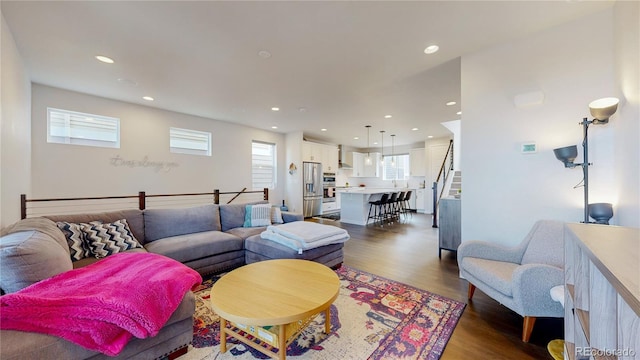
[(263, 165), (193, 142), (396, 167), (71, 127)]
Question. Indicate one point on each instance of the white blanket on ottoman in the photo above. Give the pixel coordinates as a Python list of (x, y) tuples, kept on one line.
[(303, 235)]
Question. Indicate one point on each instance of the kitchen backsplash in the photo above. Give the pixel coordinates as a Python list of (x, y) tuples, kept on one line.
[(342, 179)]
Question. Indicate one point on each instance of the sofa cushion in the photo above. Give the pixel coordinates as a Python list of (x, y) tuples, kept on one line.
[(133, 216), (496, 274), (194, 246), (109, 239), (30, 256), (546, 245), (257, 215), (243, 232), (232, 215), (272, 250), (18, 345), (163, 223)]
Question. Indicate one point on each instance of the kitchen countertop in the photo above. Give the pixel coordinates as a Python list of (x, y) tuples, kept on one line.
[(370, 191)]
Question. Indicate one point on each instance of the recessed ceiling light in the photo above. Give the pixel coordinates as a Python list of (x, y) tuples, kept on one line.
[(459, 113), (274, 127), (414, 129), (275, 108), (302, 109), (355, 138), (148, 98), (431, 49), (375, 143), (450, 103), (105, 59), (264, 54), (323, 129), (387, 116), (430, 136)]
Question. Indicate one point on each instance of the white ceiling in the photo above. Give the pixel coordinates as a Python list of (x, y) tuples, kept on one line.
[(347, 64)]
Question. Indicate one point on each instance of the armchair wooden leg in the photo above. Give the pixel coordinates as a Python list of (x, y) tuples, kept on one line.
[(472, 289), (527, 327)]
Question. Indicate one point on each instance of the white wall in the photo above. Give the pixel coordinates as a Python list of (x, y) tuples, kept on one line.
[(293, 196), (505, 192), (627, 127), (15, 139), (71, 170)]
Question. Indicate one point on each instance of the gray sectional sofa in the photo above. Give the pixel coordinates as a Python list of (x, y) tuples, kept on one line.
[(208, 238)]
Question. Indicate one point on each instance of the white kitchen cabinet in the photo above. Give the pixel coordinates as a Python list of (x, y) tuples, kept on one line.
[(327, 155), (420, 200), (412, 199), (329, 207), (417, 162), (362, 169), (311, 151), (338, 197), (329, 158)]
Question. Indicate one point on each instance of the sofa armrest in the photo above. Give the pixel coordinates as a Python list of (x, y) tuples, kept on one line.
[(532, 284), (291, 216), (490, 251)]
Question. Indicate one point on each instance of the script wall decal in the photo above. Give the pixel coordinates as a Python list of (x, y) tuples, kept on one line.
[(157, 166)]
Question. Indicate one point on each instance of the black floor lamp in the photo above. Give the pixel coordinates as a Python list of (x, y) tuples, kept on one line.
[(601, 110)]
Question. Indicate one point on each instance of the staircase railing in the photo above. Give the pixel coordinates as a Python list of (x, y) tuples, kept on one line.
[(445, 170), (106, 203)]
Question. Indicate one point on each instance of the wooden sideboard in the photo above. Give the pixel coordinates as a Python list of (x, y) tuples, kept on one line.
[(602, 292)]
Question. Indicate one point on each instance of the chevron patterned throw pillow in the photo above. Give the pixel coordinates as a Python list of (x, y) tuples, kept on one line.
[(111, 238), (78, 247)]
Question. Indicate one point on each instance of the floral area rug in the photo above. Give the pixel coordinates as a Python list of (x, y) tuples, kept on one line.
[(372, 318)]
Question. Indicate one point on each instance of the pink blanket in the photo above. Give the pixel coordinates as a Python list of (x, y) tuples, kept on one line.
[(101, 306)]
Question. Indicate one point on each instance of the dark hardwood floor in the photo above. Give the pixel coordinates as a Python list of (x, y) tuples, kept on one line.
[(408, 252)]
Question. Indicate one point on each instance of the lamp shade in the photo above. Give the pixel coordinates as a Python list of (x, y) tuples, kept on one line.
[(601, 212), (566, 154), (602, 109)]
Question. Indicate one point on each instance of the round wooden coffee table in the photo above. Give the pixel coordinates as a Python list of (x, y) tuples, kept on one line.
[(273, 300)]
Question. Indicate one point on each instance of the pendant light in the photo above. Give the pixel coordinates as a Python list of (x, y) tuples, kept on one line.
[(382, 147), (368, 159), (393, 157)]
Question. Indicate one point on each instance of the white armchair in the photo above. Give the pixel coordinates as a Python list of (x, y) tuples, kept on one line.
[(520, 277)]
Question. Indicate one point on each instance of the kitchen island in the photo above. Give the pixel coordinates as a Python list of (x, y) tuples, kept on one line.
[(354, 203)]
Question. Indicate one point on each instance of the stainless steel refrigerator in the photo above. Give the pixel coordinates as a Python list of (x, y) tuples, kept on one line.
[(312, 190)]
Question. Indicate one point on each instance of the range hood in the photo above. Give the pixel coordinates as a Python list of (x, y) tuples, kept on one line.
[(342, 158)]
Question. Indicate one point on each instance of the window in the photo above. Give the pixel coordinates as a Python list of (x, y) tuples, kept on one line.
[(263, 165), (192, 142), (397, 171), (70, 127)]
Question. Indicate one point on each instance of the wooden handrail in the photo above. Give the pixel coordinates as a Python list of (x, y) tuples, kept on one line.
[(238, 194), (443, 171), (444, 161), (142, 198)]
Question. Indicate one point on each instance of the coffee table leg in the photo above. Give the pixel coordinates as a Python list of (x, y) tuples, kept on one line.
[(282, 340), (223, 335), (327, 320)]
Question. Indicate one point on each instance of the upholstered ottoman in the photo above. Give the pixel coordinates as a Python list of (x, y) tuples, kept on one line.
[(259, 249)]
